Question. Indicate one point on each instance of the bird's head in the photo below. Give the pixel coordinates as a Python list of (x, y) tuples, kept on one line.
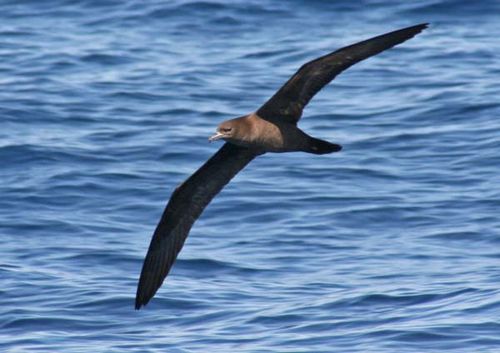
[(225, 131)]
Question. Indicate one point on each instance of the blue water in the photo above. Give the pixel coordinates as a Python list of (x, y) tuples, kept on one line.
[(391, 245)]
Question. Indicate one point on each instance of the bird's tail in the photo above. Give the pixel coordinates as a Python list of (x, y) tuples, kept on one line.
[(318, 146)]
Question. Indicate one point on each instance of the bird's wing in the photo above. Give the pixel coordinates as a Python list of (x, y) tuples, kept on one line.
[(185, 206), (289, 101)]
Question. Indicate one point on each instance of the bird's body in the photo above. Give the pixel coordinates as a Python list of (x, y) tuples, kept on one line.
[(268, 136), (272, 128)]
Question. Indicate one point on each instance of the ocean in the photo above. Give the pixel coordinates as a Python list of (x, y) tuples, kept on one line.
[(391, 245)]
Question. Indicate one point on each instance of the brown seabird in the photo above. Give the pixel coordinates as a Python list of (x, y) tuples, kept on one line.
[(272, 128)]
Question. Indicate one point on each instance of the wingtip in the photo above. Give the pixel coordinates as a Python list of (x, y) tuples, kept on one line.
[(141, 298), (415, 29), (140, 302), (410, 32), (421, 27)]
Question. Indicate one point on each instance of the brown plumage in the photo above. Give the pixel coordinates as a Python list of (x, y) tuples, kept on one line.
[(273, 128)]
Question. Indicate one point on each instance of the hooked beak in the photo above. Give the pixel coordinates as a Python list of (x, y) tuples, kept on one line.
[(215, 137)]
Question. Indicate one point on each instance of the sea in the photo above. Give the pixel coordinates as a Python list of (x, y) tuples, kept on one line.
[(391, 245)]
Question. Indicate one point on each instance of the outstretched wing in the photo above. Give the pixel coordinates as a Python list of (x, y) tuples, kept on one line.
[(185, 206), (288, 103)]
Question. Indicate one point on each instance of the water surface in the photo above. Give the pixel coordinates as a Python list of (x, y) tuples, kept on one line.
[(389, 246)]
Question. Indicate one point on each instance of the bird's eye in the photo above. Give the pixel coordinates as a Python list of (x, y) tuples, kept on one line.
[(226, 129)]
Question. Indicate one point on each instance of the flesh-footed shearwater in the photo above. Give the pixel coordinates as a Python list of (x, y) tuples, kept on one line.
[(272, 128)]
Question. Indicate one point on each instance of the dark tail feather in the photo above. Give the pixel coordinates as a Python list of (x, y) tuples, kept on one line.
[(318, 146)]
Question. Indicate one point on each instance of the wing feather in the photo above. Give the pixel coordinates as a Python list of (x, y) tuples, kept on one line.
[(185, 206), (289, 101)]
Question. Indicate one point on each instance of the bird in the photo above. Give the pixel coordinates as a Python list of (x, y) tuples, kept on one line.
[(271, 128)]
